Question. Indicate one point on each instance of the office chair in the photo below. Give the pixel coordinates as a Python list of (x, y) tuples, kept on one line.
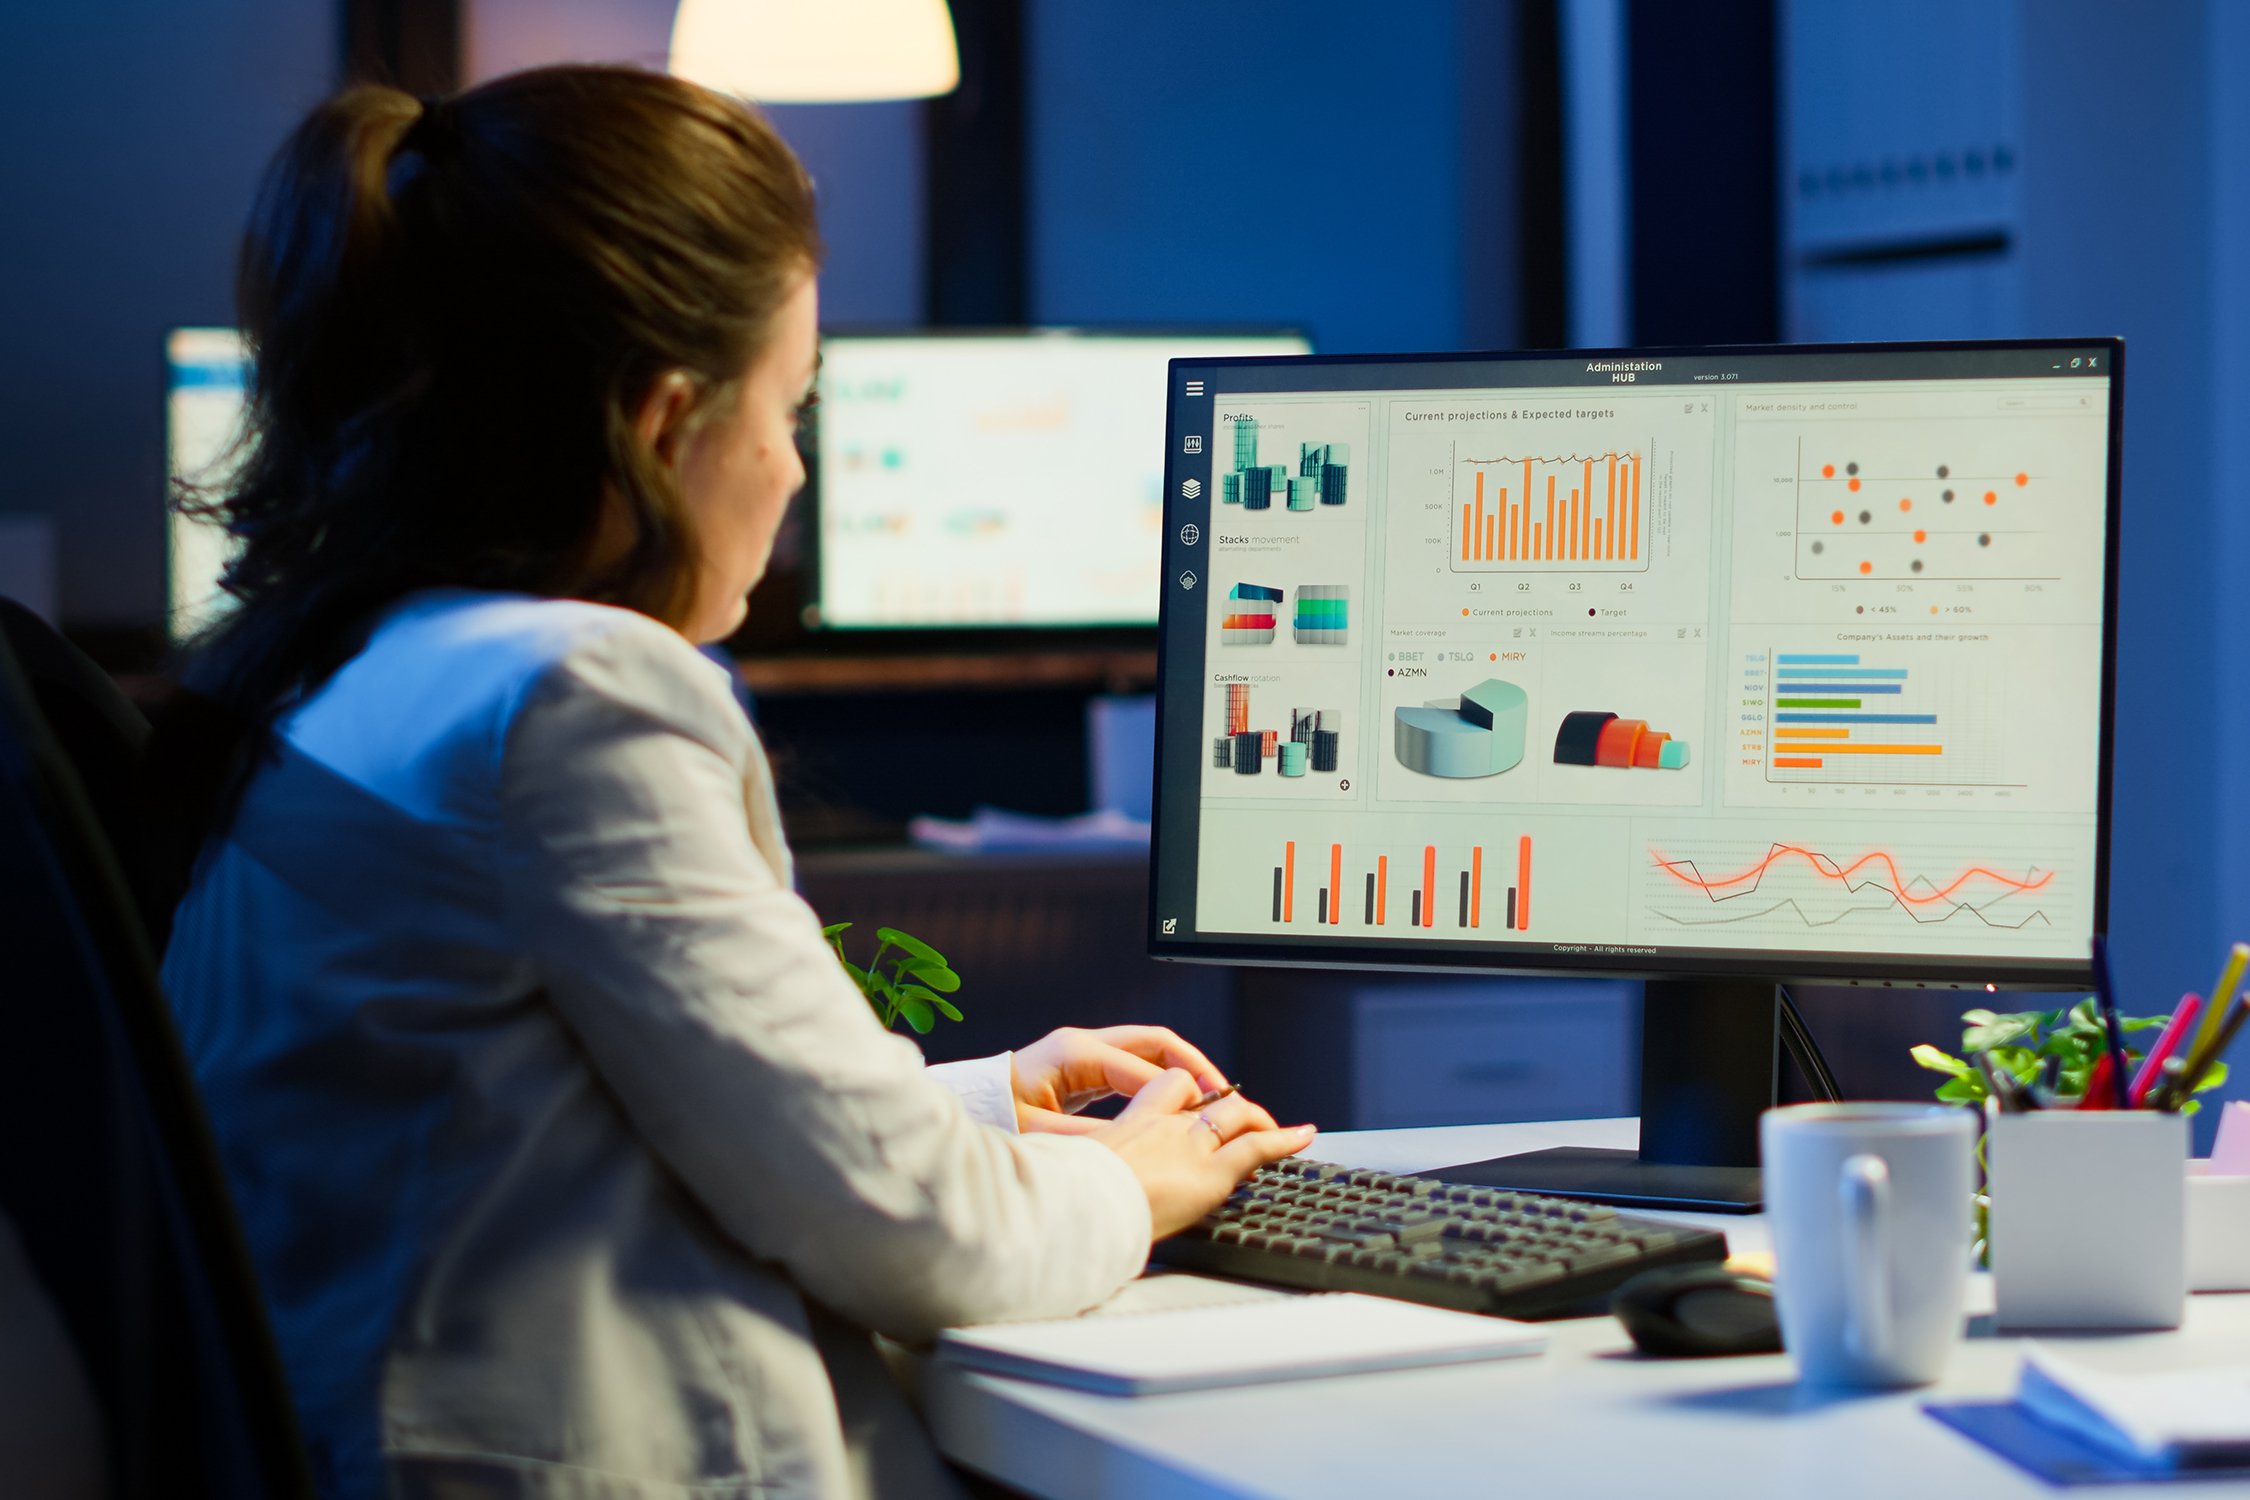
[(105, 738), (107, 1167)]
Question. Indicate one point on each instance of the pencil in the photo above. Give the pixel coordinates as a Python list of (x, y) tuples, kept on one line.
[(2207, 1052), (2222, 995), (1215, 1096)]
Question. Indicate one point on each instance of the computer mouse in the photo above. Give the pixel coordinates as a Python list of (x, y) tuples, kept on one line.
[(1698, 1310)]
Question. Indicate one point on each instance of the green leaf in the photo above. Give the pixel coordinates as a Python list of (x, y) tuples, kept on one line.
[(860, 977), (936, 976), (1961, 1090), (913, 996), (832, 929), (2021, 1061), (2141, 1023), (911, 944), (917, 1014), (1997, 1031), (2212, 1079), (1939, 1062)]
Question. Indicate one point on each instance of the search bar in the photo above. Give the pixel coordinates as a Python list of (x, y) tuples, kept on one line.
[(2045, 403)]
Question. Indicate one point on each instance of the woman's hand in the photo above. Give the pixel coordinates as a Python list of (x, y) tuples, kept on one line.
[(1066, 1070), (1186, 1160)]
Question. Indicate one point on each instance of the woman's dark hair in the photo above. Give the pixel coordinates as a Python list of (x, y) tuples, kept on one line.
[(454, 309)]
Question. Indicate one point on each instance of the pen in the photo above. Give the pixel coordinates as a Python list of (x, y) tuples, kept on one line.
[(2222, 994), (2167, 1041), (2206, 1053), (2105, 994), (1215, 1096)]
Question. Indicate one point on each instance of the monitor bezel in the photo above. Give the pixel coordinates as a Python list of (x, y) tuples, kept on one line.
[(1444, 956), (979, 637)]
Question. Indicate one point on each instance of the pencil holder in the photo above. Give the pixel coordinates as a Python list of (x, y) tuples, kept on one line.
[(2218, 1230), (2089, 1218)]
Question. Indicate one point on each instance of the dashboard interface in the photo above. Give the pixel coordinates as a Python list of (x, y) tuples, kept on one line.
[(1787, 661), (996, 479)]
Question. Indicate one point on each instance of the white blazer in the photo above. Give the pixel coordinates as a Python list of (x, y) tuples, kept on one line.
[(552, 1122)]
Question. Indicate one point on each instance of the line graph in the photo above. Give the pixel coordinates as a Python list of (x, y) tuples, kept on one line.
[(1868, 897)]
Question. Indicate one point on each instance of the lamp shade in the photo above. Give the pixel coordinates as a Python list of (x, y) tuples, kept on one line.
[(815, 51)]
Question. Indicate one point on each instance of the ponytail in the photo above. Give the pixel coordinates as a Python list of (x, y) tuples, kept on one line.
[(454, 310)]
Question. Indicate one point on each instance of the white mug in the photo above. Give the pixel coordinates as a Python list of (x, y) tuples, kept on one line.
[(1870, 1206)]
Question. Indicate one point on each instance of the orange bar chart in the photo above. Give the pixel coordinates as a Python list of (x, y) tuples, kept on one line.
[(1577, 510), (1520, 899), (1452, 881)]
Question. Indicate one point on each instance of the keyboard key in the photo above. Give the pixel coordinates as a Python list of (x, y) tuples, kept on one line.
[(1318, 1226)]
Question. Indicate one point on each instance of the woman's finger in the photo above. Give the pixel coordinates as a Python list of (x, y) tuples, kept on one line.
[(1031, 1118), (1257, 1148), (1163, 1045), (1236, 1114), (1168, 1093)]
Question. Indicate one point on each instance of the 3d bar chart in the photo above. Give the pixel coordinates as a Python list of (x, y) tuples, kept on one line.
[(1312, 743), (1322, 615), (1250, 615), (1322, 476)]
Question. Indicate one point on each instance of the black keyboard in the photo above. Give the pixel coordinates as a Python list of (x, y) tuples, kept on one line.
[(1314, 1224)]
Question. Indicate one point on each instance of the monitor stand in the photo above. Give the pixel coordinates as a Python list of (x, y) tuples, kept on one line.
[(1709, 1067)]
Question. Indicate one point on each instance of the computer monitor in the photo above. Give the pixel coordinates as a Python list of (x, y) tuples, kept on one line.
[(206, 378), (1718, 668), (995, 480)]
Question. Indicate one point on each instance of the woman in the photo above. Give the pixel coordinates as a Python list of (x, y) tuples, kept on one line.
[(570, 1162)]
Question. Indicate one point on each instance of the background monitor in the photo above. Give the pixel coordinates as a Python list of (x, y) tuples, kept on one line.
[(995, 479), (1718, 668), (206, 378)]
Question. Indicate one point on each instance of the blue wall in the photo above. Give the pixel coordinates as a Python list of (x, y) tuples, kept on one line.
[(1323, 164), (2117, 240), (2226, 58), (135, 131)]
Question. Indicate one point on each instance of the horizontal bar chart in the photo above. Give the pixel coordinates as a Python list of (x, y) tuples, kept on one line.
[(1832, 717)]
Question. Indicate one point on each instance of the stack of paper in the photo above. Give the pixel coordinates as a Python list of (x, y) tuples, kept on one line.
[(1285, 1337), (2071, 1424), (2165, 1419)]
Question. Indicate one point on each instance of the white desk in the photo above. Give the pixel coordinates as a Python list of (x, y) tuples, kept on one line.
[(1591, 1417)]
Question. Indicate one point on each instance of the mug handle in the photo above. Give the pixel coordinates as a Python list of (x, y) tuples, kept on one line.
[(1865, 1197)]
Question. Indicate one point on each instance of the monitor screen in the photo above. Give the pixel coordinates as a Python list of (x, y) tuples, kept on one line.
[(976, 480), (206, 377), (1784, 663)]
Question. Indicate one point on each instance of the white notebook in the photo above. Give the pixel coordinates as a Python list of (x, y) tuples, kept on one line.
[(1275, 1336), (2166, 1419)]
